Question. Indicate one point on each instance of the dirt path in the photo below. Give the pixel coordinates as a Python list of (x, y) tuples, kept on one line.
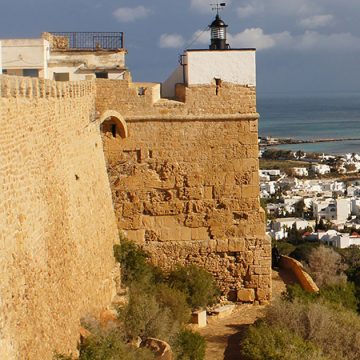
[(223, 336)]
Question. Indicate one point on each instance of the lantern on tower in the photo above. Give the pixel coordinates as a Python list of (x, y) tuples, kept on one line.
[(218, 31)]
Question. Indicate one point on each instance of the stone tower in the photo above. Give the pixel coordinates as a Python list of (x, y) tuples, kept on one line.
[(185, 178)]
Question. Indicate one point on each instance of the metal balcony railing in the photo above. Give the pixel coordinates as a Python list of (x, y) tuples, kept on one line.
[(91, 40)]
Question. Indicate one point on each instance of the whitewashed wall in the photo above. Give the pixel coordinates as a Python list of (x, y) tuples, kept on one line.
[(234, 66), (168, 86), (203, 66), (18, 54)]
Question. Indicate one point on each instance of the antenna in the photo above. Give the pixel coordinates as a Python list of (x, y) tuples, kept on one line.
[(217, 7)]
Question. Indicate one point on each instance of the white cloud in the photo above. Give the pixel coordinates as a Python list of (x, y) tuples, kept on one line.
[(278, 8), (249, 10), (256, 38), (127, 14), (201, 37), (314, 41), (309, 41), (317, 21), (171, 41)]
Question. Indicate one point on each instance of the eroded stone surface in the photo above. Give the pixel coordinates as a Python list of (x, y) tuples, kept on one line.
[(185, 181)]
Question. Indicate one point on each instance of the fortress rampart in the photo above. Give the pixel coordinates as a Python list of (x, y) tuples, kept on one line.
[(57, 222), (185, 181)]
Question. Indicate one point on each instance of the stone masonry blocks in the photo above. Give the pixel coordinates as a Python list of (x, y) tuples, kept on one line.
[(194, 187)]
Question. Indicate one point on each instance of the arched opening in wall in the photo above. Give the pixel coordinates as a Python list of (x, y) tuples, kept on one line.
[(113, 132)]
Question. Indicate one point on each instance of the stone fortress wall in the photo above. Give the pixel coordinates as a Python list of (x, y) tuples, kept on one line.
[(185, 179), (57, 222)]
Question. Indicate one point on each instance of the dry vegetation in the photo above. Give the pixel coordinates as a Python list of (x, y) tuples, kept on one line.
[(324, 326)]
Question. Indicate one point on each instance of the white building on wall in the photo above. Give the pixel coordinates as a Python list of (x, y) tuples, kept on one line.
[(207, 67), (66, 56), (25, 57), (219, 64)]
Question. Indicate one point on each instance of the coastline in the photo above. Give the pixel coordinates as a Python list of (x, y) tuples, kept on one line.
[(292, 141)]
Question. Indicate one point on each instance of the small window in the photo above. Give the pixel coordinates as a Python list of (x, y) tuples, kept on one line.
[(113, 130), (4, 71), (218, 83), (102, 75), (31, 72), (61, 76), (141, 91)]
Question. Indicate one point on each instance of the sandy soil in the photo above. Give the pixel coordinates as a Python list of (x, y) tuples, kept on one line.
[(223, 336)]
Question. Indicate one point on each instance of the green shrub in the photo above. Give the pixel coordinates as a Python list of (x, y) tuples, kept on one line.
[(135, 264), (175, 301), (332, 333), (285, 248), (341, 294), (277, 343), (190, 346), (296, 292), (198, 285), (111, 346), (158, 312), (336, 295)]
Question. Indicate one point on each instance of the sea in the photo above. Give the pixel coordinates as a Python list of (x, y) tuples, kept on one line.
[(312, 116)]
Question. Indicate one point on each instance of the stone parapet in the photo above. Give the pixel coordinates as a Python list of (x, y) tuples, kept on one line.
[(34, 88), (137, 99)]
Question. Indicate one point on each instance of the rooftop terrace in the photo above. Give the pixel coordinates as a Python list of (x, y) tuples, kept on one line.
[(87, 41)]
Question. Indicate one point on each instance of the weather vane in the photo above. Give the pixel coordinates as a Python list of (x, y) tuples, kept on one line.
[(217, 7)]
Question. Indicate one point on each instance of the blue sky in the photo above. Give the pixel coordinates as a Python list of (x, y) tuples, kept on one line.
[(303, 45)]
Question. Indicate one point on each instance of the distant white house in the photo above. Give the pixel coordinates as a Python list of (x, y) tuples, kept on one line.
[(355, 206), (280, 227), (270, 172), (332, 209), (352, 157), (327, 157), (300, 171), (280, 223), (267, 189), (308, 201), (339, 240), (320, 169), (353, 190), (263, 177), (334, 186)]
